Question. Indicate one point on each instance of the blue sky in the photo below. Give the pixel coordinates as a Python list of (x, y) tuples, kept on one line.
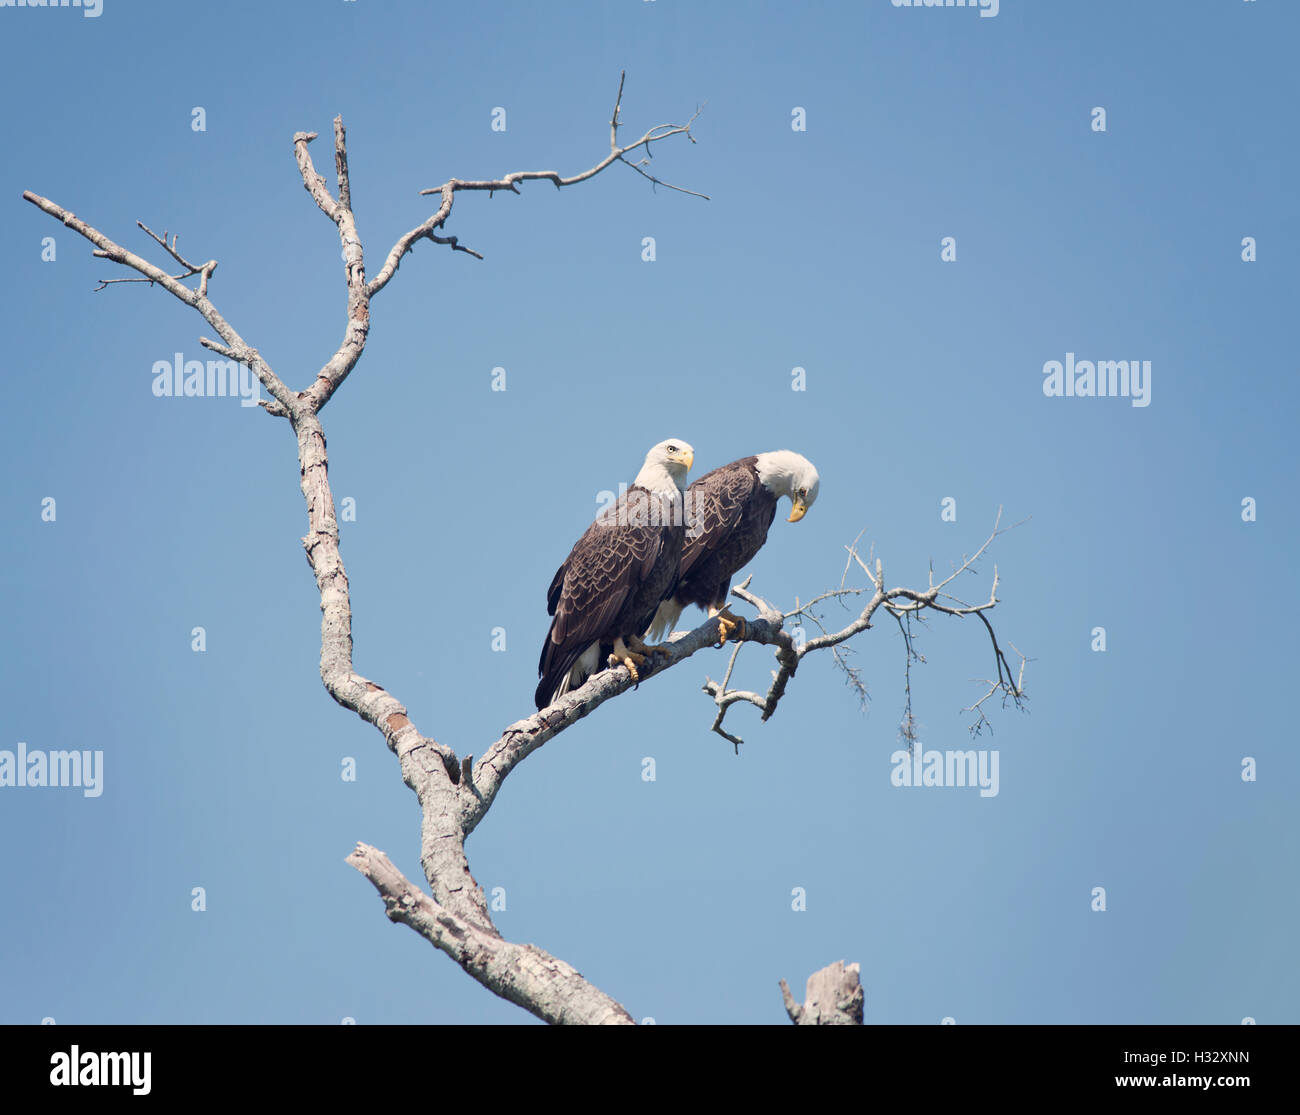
[(820, 249)]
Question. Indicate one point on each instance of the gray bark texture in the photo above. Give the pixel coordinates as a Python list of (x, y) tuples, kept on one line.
[(833, 998)]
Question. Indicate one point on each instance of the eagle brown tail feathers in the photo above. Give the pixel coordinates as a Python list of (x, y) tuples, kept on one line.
[(558, 673)]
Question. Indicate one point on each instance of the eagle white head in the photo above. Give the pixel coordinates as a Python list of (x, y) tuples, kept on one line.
[(666, 466), (785, 473)]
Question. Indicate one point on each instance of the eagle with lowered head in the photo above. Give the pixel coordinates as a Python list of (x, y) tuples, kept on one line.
[(730, 510), (605, 594)]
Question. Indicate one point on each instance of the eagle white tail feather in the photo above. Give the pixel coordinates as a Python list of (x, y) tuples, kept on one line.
[(665, 620), (588, 663)]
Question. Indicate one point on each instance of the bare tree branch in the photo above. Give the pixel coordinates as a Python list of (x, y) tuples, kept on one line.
[(897, 602), (196, 299), (510, 182), (523, 737), (523, 974), (722, 697)]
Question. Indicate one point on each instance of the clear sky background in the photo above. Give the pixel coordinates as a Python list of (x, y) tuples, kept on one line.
[(820, 249)]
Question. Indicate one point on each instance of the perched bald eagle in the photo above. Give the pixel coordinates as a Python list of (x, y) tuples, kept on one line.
[(606, 592), (730, 510)]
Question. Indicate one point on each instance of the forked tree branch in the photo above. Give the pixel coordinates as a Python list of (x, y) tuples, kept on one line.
[(510, 182), (523, 974)]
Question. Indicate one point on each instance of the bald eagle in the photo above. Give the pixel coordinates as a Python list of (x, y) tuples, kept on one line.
[(606, 592), (730, 510)]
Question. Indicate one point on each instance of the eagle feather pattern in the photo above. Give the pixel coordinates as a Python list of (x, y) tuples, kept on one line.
[(730, 513), (610, 585)]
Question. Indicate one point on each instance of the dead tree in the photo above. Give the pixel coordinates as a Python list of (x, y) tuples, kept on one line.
[(454, 791)]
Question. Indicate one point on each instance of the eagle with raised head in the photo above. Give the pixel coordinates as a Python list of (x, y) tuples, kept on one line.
[(730, 510), (605, 594)]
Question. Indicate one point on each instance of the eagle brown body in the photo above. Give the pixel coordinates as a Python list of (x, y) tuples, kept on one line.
[(611, 583), (731, 513), (607, 590)]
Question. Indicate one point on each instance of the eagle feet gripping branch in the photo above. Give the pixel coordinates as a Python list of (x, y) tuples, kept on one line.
[(636, 654), (727, 623), (631, 660)]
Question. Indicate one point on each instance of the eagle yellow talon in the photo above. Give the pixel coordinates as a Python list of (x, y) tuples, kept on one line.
[(639, 646), (631, 660), (727, 623)]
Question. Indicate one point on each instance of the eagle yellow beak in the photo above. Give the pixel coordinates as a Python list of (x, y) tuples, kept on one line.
[(797, 512), (690, 460)]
